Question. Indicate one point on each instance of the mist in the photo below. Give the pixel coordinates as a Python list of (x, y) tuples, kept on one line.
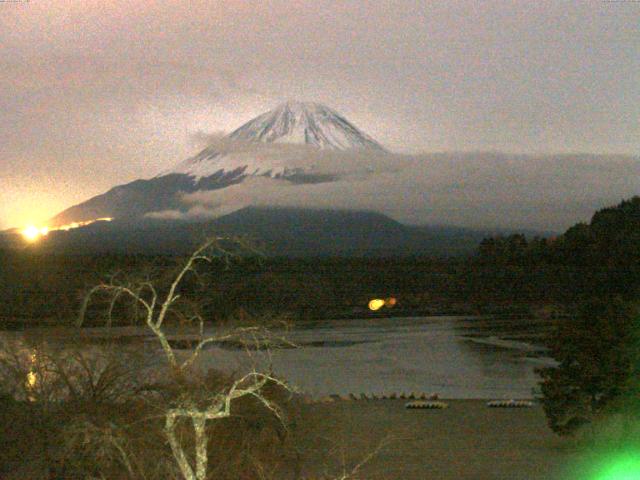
[(479, 190)]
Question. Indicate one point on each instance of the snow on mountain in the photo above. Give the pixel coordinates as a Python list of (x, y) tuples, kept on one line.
[(246, 151), (299, 142), (304, 123)]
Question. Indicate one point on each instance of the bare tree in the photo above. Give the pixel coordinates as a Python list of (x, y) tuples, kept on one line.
[(156, 307)]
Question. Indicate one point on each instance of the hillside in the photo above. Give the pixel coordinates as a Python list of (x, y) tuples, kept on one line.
[(277, 232)]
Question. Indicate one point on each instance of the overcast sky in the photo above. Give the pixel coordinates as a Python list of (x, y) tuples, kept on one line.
[(94, 93)]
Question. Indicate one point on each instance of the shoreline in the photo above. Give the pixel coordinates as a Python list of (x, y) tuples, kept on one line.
[(19, 325), (467, 440)]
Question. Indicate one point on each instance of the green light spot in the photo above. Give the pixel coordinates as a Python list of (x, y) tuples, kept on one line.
[(625, 467)]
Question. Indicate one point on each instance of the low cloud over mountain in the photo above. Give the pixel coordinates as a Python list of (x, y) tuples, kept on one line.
[(483, 190), (306, 155)]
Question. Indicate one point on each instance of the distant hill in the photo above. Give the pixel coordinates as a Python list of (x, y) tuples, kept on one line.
[(610, 240), (277, 231)]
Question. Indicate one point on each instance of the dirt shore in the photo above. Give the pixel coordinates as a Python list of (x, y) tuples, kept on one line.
[(468, 440)]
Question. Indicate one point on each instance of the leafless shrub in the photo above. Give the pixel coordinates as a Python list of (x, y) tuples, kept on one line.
[(45, 373), (60, 399), (100, 419)]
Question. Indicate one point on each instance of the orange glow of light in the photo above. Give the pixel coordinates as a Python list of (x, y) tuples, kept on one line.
[(376, 304), (32, 379), (33, 233), (390, 302), (73, 225)]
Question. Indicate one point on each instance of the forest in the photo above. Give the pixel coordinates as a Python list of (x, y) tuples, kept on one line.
[(506, 275)]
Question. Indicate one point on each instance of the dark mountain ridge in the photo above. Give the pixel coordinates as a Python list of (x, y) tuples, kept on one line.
[(276, 231)]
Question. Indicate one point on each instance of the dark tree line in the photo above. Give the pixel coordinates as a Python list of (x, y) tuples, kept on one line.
[(507, 274), (601, 258), (598, 352), (598, 348)]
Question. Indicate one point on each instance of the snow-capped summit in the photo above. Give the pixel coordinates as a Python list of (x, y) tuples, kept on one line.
[(293, 123), (304, 123)]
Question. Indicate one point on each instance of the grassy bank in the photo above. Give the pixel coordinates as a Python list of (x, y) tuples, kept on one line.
[(465, 441)]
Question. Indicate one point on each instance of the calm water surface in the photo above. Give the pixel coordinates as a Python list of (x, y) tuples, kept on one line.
[(456, 357)]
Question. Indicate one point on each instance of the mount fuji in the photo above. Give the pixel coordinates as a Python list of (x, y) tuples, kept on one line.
[(296, 143), (292, 123), (280, 144)]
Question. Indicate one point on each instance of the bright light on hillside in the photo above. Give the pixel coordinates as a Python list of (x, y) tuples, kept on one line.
[(33, 233)]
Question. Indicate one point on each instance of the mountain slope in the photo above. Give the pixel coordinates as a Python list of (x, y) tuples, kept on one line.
[(305, 123), (135, 199), (292, 123), (249, 150), (277, 231)]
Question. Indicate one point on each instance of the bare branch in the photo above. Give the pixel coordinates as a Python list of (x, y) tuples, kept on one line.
[(171, 296), (189, 406), (199, 423), (176, 448), (115, 290)]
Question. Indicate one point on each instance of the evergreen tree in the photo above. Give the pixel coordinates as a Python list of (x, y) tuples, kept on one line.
[(597, 354)]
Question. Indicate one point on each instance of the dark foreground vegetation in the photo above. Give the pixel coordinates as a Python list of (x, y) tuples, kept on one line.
[(96, 436), (598, 374), (143, 410), (598, 348), (93, 418)]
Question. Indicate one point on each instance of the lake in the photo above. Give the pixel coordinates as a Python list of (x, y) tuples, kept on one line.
[(455, 357)]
